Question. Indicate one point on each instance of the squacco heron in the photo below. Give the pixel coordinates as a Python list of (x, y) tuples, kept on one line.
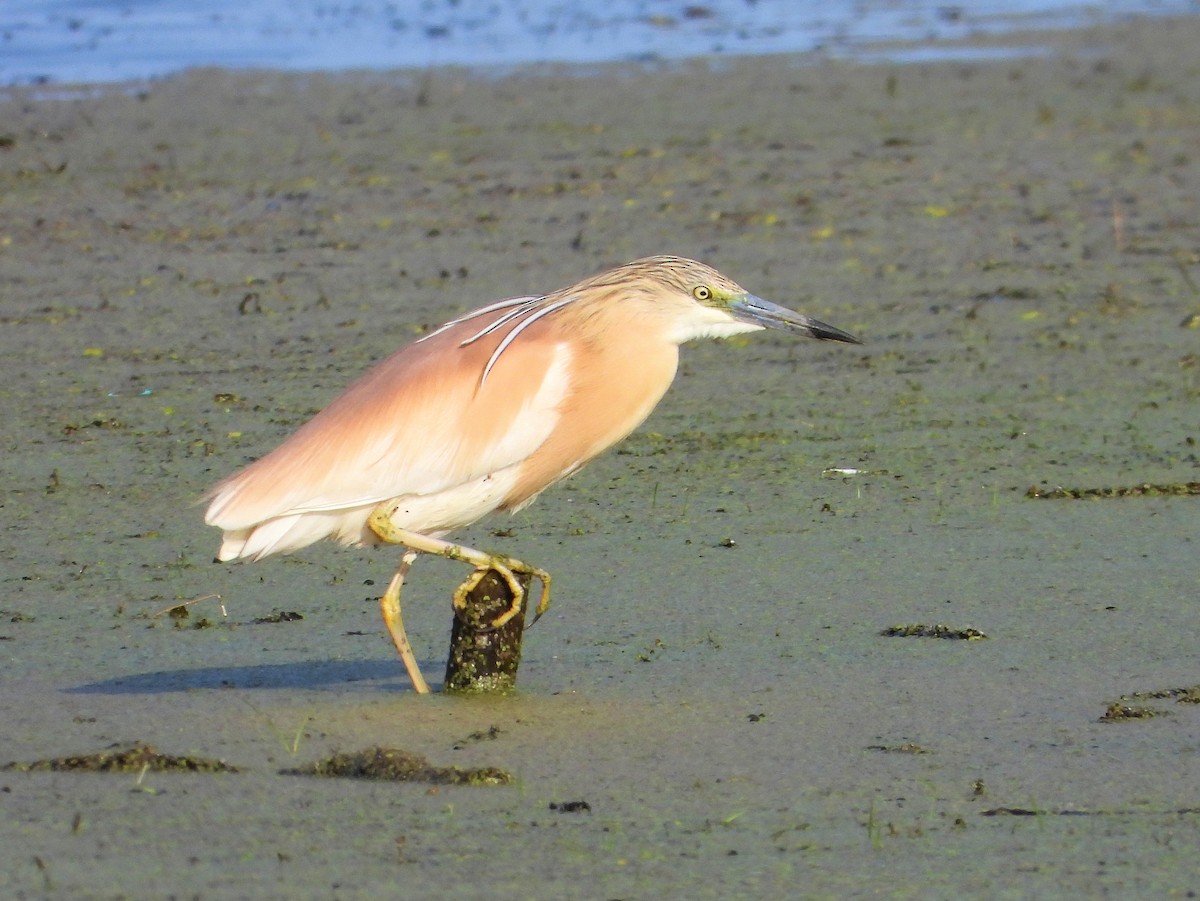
[(484, 414)]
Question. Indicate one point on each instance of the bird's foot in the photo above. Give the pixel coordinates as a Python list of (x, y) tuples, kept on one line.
[(508, 569), (380, 522)]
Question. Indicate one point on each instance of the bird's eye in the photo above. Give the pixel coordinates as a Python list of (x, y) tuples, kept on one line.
[(701, 292)]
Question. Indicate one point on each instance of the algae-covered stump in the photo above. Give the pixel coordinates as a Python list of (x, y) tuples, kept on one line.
[(484, 659)]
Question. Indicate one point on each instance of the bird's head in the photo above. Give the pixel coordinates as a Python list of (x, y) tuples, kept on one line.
[(703, 303)]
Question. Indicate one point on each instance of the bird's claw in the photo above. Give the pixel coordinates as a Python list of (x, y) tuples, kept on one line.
[(507, 570)]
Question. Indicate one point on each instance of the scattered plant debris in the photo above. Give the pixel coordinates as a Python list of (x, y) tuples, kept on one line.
[(397, 765), (1118, 711), (907, 748), (919, 630), (1179, 695), (490, 734), (1123, 709), (571, 806), (1173, 489), (137, 758), (279, 616)]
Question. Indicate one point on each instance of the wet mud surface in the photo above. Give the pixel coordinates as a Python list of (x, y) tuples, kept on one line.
[(191, 268)]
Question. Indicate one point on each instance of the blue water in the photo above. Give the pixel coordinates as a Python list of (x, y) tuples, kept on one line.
[(64, 41)]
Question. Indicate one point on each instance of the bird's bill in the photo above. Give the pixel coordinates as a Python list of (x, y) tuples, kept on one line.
[(750, 308)]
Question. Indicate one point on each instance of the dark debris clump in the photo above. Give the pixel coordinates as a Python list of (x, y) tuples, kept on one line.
[(920, 630), (134, 759), (1174, 489), (1123, 708), (397, 765)]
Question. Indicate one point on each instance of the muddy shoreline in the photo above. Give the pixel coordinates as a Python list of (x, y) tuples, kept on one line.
[(190, 269)]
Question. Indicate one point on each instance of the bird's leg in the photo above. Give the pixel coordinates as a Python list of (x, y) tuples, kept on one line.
[(389, 605), (381, 524)]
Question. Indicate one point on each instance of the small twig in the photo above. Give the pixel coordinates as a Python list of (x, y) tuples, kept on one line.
[(1118, 226), (188, 603)]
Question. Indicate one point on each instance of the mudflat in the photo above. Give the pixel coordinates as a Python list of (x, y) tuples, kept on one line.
[(711, 709)]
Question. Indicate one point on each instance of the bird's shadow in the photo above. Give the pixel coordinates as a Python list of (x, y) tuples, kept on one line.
[(302, 675)]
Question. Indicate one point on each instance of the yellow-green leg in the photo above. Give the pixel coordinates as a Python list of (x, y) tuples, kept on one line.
[(389, 605)]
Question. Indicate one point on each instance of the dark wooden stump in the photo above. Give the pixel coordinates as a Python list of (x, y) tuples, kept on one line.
[(484, 660)]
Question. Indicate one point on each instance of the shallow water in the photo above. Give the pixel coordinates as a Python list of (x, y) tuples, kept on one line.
[(73, 41)]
